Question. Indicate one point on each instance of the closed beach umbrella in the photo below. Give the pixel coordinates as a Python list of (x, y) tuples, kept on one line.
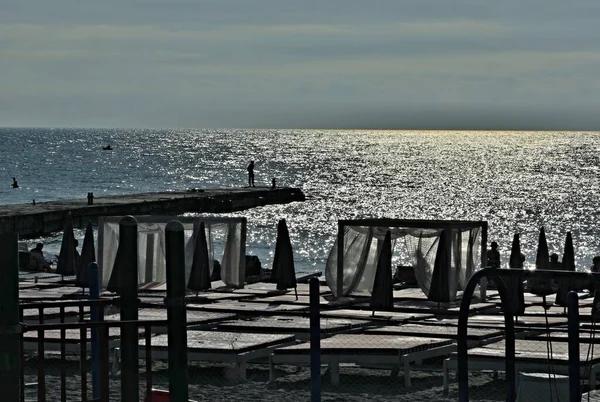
[(88, 255), (515, 253), (541, 287), (67, 261), (542, 259), (113, 282), (568, 264), (284, 272), (439, 290), (515, 304), (382, 296), (200, 273)]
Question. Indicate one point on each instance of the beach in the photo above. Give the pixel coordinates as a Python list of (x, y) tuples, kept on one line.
[(211, 383)]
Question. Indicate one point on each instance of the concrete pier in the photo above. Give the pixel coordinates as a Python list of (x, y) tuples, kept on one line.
[(43, 218)]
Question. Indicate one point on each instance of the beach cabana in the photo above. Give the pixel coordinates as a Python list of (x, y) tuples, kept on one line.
[(351, 264), (226, 240)]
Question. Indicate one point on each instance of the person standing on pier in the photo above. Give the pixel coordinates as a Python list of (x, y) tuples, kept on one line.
[(14, 183), (251, 174)]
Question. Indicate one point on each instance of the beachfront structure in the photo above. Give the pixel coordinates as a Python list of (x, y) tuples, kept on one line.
[(361, 239), (226, 239)]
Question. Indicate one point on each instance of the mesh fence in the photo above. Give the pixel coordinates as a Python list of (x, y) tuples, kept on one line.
[(258, 347)]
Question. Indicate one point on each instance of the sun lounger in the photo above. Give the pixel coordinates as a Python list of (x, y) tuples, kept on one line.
[(224, 347), (52, 340), (195, 319), (395, 317), (497, 321), (426, 306), (369, 350), (250, 307), (326, 301), (299, 326), (531, 356), (52, 314), (475, 336)]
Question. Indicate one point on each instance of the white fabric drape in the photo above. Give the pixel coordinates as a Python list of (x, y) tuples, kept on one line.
[(362, 246), (152, 256)]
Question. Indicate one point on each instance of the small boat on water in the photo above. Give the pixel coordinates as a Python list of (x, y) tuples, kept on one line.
[(107, 148)]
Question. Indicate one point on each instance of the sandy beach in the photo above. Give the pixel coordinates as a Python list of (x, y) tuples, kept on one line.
[(213, 382)]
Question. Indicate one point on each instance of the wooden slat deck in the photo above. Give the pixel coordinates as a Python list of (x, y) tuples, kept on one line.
[(290, 325), (247, 307), (585, 336), (71, 335), (426, 306), (324, 301), (194, 318), (218, 342), (392, 316), (497, 321), (363, 344), (436, 331), (532, 350), (302, 288)]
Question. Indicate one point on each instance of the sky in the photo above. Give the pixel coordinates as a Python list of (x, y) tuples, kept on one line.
[(383, 64)]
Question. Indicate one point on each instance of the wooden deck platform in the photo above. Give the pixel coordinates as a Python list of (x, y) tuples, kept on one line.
[(47, 217)]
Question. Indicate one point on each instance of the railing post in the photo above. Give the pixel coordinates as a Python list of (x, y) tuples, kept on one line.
[(95, 316), (10, 330), (128, 287), (176, 312), (315, 341), (573, 323)]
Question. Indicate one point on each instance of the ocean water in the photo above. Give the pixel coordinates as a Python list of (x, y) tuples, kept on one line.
[(517, 181)]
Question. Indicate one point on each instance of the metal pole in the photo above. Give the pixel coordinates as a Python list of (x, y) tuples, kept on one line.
[(315, 341), (128, 287), (10, 329), (176, 312), (95, 316), (574, 357), (340, 261)]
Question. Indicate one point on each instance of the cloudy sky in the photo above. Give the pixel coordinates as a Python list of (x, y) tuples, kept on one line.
[(301, 64)]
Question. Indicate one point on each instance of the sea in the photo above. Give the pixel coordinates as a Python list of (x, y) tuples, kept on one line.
[(517, 181)]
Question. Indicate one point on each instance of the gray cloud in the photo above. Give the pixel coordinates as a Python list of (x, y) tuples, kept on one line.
[(273, 63)]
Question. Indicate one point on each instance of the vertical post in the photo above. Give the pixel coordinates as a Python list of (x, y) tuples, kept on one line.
[(95, 316), (128, 287), (176, 313), (340, 261), (10, 330), (573, 317), (242, 270), (484, 280), (315, 341)]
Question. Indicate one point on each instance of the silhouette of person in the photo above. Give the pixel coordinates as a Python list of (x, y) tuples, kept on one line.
[(493, 256), (14, 183), (37, 262), (251, 174), (595, 264)]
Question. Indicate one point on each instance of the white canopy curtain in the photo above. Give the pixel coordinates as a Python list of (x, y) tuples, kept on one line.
[(226, 238), (362, 245)]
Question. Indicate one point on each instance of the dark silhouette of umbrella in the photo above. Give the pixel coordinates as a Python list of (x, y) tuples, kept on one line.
[(113, 282), (284, 272), (439, 290), (382, 296), (200, 273), (542, 287), (515, 300), (88, 255), (67, 259), (542, 259), (515, 253), (568, 264)]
